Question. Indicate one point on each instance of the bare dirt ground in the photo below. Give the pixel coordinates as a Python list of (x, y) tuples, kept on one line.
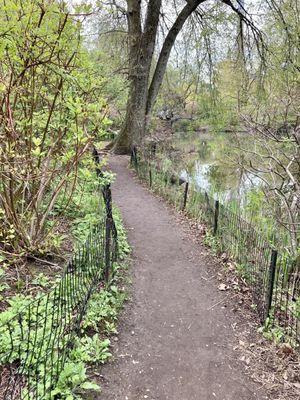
[(177, 339)]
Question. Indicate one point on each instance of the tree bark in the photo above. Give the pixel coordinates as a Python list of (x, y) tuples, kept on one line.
[(141, 45), (122, 145)]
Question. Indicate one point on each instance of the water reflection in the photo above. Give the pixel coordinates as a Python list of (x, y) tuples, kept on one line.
[(209, 162)]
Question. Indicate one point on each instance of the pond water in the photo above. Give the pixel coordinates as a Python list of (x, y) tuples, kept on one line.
[(211, 162)]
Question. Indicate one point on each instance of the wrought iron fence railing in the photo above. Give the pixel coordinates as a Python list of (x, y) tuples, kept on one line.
[(272, 277), (36, 341)]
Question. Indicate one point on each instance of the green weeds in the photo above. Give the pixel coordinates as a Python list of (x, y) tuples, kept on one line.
[(89, 348)]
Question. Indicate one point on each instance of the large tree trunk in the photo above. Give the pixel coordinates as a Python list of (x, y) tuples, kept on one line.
[(141, 44), (134, 125)]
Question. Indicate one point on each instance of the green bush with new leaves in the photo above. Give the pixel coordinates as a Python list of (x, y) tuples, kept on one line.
[(51, 107)]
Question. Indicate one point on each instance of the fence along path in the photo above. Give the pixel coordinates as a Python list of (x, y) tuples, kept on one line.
[(35, 342), (272, 276), (173, 343)]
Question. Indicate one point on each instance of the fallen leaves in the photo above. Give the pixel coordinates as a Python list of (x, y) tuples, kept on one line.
[(277, 368), (223, 287)]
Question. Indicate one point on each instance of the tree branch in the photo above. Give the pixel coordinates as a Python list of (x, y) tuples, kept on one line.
[(166, 50)]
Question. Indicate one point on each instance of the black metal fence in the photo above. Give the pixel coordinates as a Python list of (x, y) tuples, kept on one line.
[(273, 278), (35, 342)]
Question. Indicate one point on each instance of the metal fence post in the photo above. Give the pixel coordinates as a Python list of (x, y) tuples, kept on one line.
[(134, 157), (150, 176), (186, 189), (108, 229), (272, 270), (131, 158), (216, 216)]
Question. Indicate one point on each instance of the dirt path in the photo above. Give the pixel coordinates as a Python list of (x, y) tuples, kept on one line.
[(173, 344)]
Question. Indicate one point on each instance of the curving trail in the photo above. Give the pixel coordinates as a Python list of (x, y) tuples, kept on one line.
[(172, 344)]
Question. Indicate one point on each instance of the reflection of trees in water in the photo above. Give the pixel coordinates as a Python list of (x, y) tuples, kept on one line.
[(217, 177), (224, 178), (230, 180), (207, 161)]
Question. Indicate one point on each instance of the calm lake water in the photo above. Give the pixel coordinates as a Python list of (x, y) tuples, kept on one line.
[(210, 161)]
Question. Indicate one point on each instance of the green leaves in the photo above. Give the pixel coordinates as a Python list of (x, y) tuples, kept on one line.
[(90, 386), (53, 107), (72, 380), (91, 349)]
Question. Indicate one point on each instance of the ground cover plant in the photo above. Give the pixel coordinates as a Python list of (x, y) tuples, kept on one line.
[(80, 311)]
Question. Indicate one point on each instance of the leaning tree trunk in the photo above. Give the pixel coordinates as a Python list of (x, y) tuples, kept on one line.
[(141, 97), (163, 59), (141, 48)]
